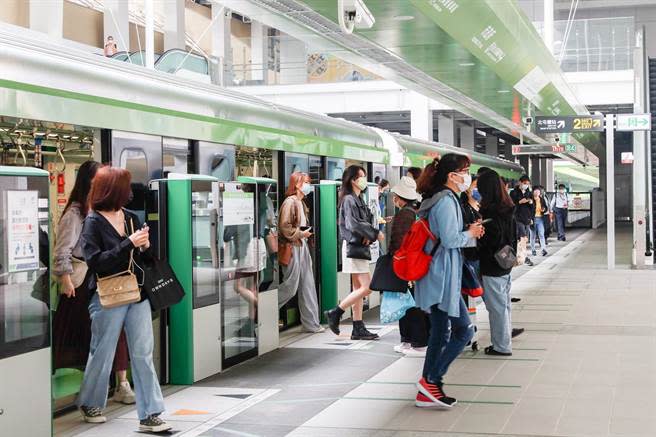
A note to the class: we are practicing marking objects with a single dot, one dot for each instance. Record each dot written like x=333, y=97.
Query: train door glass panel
x=267, y=223
x=205, y=253
x=378, y=171
x=175, y=156
x=335, y=168
x=216, y=160
x=239, y=271
x=295, y=162
x=314, y=170
x=24, y=261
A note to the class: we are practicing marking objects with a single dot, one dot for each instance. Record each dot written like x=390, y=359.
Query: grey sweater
x=66, y=243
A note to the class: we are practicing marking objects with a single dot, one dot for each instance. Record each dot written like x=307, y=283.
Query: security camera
x=557, y=139
x=354, y=14
x=528, y=121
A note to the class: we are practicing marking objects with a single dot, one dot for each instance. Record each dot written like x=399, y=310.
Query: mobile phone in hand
x=486, y=221
x=306, y=228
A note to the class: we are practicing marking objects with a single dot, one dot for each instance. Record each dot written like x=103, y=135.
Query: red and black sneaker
x=432, y=396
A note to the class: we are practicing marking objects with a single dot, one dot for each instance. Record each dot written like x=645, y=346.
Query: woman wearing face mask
x=413, y=326
x=540, y=208
x=357, y=232
x=470, y=201
x=438, y=293
x=297, y=275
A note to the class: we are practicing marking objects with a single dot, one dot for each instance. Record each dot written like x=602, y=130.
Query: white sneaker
x=401, y=348
x=318, y=330
x=418, y=352
x=124, y=394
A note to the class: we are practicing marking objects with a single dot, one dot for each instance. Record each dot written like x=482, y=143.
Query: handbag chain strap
x=130, y=269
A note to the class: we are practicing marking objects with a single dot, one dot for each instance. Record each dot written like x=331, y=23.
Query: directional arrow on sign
x=561, y=124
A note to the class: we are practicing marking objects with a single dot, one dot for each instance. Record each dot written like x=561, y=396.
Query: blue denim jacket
x=442, y=284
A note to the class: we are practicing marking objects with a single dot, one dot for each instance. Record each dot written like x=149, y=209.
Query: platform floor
x=584, y=367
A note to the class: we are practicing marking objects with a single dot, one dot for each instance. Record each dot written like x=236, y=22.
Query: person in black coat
x=522, y=197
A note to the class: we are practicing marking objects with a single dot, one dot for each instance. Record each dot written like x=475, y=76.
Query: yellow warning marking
x=189, y=412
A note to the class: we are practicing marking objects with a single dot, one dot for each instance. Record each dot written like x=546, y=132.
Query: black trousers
x=414, y=327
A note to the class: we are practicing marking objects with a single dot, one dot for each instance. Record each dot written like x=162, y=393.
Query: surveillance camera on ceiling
x=528, y=121
x=354, y=14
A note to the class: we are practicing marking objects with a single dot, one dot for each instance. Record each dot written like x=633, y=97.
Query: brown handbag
x=121, y=288
x=285, y=247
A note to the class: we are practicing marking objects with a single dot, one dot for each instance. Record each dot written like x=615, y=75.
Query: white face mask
x=361, y=182
x=466, y=183
x=524, y=187
x=561, y=191
x=306, y=188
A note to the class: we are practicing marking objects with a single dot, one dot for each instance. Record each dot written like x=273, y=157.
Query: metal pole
x=610, y=190
x=150, y=33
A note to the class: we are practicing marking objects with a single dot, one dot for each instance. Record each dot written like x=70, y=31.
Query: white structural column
x=149, y=28
x=116, y=23
x=467, y=136
x=548, y=30
x=221, y=47
x=47, y=17
x=174, y=24
x=548, y=174
x=446, y=129
x=639, y=158
x=610, y=190
x=491, y=145
x=259, y=52
x=293, y=60
x=421, y=117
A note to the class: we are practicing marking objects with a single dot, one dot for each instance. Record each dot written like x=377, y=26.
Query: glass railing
x=600, y=44
x=175, y=61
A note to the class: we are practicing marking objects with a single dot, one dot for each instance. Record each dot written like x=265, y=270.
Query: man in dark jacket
x=524, y=212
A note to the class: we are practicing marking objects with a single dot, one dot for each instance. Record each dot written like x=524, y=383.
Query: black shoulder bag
x=506, y=256
x=160, y=283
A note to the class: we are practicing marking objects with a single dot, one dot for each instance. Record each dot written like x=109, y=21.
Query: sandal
x=490, y=351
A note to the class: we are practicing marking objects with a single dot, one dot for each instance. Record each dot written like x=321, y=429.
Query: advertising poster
x=22, y=230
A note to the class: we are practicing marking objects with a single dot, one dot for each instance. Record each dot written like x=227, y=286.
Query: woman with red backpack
x=439, y=292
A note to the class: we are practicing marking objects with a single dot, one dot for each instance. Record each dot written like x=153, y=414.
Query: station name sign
x=569, y=124
x=533, y=149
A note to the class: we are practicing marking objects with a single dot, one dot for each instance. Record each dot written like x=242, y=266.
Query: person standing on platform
x=438, y=293
x=110, y=47
x=298, y=277
x=413, y=326
x=497, y=207
x=523, y=199
x=560, y=206
x=540, y=210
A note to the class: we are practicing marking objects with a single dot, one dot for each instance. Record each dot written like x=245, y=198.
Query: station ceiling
x=484, y=58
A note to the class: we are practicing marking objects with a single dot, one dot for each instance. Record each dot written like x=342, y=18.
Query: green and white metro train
x=77, y=105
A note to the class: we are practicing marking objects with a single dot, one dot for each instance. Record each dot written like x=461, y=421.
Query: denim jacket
x=442, y=284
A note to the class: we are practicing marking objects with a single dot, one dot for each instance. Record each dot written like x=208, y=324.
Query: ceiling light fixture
x=403, y=18
x=467, y=64
x=503, y=91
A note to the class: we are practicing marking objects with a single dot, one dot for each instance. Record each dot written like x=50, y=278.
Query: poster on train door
x=22, y=230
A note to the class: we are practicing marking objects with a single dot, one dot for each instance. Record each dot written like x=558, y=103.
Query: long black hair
x=351, y=173
x=82, y=186
x=494, y=196
x=434, y=180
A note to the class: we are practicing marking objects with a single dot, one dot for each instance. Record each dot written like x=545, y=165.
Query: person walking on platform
x=540, y=209
x=413, y=326
x=112, y=243
x=298, y=275
x=523, y=200
x=439, y=292
x=357, y=232
x=497, y=207
x=560, y=205
x=71, y=323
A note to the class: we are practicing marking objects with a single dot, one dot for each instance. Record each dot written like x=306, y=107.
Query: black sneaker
x=544, y=252
x=491, y=351
x=153, y=424
x=92, y=414
x=534, y=253
x=515, y=299
x=362, y=333
x=333, y=317
x=516, y=332
x=528, y=262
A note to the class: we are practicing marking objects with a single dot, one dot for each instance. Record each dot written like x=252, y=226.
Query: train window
x=335, y=168
x=295, y=162
x=315, y=169
x=135, y=161
x=175, y=155
x=378, y=171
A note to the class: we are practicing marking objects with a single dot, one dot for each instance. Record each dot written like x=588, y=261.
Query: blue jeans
x=106, y=326
x=497, y=301
x=448, y=337
x=538, y=228
x=561, y=218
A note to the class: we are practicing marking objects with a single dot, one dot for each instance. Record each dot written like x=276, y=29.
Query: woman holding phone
x=297, y=274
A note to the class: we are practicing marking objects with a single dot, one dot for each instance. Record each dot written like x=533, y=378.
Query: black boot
x=333, y=317
x=360, y=332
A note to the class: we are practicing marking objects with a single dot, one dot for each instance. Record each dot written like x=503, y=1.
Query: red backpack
x=410, y=262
